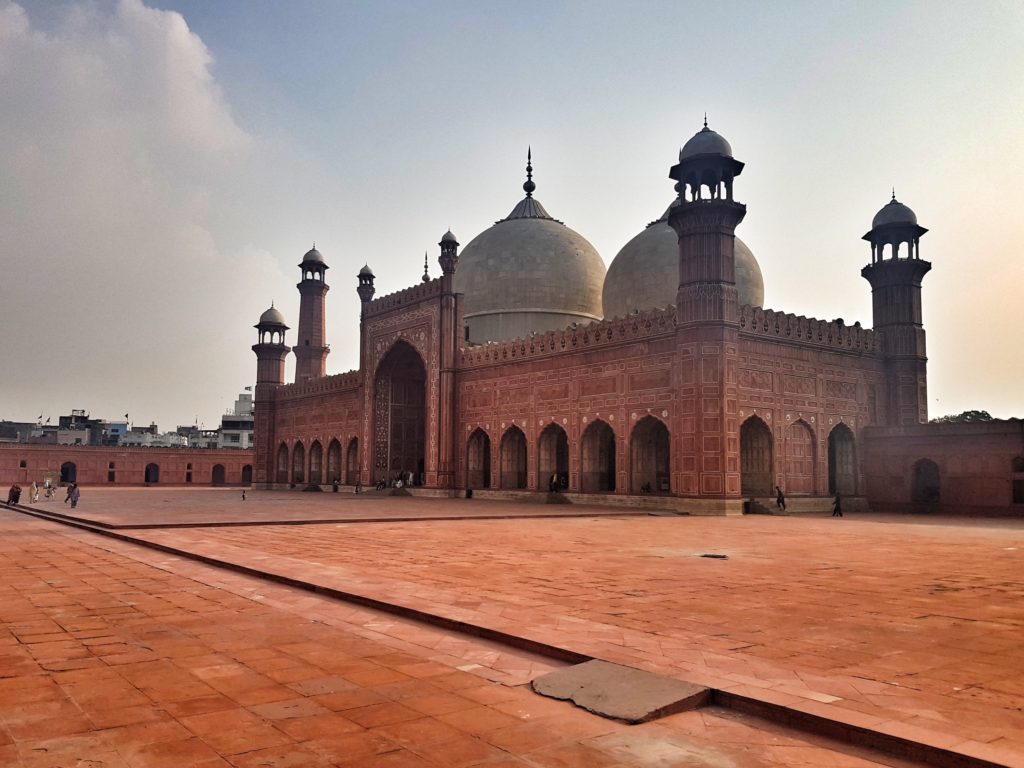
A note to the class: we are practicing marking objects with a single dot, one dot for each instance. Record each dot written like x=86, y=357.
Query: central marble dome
x=645, y=273
x=529, y=273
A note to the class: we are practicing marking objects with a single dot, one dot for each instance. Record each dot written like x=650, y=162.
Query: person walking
x=837, y=506
x=14, y=494
x=243, y=494
x=74, y=494
x=33, y=495
x=780, y=499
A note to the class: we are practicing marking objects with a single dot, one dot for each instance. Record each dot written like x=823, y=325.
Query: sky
x=165, y=165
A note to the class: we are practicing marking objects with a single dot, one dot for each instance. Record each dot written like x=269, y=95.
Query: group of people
x=14, y=494
x=837, y=502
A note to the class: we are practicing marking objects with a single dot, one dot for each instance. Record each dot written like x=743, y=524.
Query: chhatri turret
x=311, y=349
x=270, y=349
x=896, y=308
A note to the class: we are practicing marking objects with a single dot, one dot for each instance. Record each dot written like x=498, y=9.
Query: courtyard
x=188, y=626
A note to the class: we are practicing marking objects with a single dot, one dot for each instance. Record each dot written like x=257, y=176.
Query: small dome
x=365, y=271
x=894, y=212
x=448, y=237
x=645, y=273
x=705, y=142
x=272, y=317
x=313, y=256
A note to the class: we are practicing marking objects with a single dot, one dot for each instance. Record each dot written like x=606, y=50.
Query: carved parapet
x=404, y=298
x=339, y=382
x=642, y=325
x=767, y=323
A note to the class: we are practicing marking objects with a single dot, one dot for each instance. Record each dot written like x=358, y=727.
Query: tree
x=966, y=416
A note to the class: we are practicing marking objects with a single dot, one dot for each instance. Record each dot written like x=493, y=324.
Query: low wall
x=974, y=462
x=100, y=465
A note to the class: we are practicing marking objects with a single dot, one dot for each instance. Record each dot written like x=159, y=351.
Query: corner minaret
x=311, y=348
x=896, y=309
x=451, y=323
x=271, y=352
x=704, y=217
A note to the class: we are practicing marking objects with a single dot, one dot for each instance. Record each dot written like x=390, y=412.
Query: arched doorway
x=597, y=467
x=218, y=474
x=247, y=474
x=842, y=461
x=799, y=464
x=926, y=487
x=316, y=463
x=152, y=473
x=399, y=403
x=755, y=458
x=649, y=454
x=334, y=462
x=352, y=462
x=478, y=460
x=298, y=464
x=282, y=464
x=68, y=473
x=513, y=459
x=553, y=457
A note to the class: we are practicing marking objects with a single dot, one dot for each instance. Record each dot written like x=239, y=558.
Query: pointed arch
x=842, y=461
x=597, y=458
x=755, y=458
x=352, y=462
x=400, y=413
x=927, y=482
x=334, y=461
x=217, y=475
x=282, y=464
x=152, y=473
x=247, y=474
x=513, y=458
x=649, y=446
x=799, y=463
x=298, y=463
x=553, y=457
x=68, y=473
x=478, y=460
x=316, y=463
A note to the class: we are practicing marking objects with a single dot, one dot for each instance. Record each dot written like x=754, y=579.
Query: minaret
x=271, y=352
x=896, y=309
x=704, y=217
x=311, y=348
x=450, y=332
x=365, y=290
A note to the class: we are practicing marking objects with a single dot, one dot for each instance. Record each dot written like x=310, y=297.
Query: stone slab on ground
x=621, y=693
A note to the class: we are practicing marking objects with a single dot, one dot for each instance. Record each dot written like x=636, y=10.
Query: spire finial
x=894, y=194
x=314, y=245
x=705, y=121
x=426, y=275
x=529, y=186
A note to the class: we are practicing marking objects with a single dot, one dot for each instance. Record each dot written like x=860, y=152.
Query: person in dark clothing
x=837, y=506
x=14, y=495
x=780, y=499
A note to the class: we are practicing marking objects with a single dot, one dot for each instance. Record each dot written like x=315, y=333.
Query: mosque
x=662, y=382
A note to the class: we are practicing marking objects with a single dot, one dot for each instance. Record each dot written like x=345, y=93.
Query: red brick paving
x=129, y=657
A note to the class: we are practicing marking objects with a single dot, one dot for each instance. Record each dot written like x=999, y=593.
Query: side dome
x=894, y=212
x=645, y=273
x=528, y=273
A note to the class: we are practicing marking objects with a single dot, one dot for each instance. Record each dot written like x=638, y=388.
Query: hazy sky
x=164, y=167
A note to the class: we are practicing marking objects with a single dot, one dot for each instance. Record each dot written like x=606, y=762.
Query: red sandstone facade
x=695, y=407
x=95, y=465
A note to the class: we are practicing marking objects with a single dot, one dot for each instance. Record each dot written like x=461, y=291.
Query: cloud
x=119, y=149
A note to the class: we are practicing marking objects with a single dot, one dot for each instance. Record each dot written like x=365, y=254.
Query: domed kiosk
x=645, y=273
x=529, y=273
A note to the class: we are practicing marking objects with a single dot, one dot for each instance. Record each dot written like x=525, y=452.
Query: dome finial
x=426, y=274
x=529, y=186
x=705, y=121
x=894, y=194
